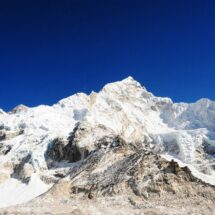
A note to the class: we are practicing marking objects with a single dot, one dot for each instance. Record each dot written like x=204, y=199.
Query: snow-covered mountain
x=39, y=146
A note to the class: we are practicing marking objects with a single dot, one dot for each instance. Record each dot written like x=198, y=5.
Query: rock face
x=124, y=178
x=121, y=151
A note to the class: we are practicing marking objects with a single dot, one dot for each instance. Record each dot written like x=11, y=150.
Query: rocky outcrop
x=5, y=135
x=139, y=171
x=80, y=143
x=23, y=169
x=61, y=149
x=118, y=173
x=4, y=149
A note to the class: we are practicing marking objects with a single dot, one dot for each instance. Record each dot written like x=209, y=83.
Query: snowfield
x=180, y=131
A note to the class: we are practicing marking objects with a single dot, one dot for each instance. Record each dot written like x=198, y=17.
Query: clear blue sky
x=53, y=49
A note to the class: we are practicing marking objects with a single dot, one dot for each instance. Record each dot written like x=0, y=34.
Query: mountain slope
x=118, y=142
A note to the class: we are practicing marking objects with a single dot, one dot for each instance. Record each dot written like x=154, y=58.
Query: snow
x=14, y=192
x=125, y=108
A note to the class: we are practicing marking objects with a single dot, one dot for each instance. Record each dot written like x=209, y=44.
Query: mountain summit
x=122, y=147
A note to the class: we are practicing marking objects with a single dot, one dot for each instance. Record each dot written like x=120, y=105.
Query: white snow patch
x=14, y=192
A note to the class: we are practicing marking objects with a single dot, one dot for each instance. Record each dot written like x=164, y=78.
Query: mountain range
x=122, y=150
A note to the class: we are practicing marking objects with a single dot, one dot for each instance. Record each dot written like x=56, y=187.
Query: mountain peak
x=130, y=80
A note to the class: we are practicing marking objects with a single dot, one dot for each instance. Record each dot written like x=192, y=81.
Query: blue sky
x=53, y=49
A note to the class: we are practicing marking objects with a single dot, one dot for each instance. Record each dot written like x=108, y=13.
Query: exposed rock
x=61, y=149
x=5, y=135
x=208, y=148
x=18, y=109
x=2, y=135
x=23, y=170
x=140, y=180
x=4, y=149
